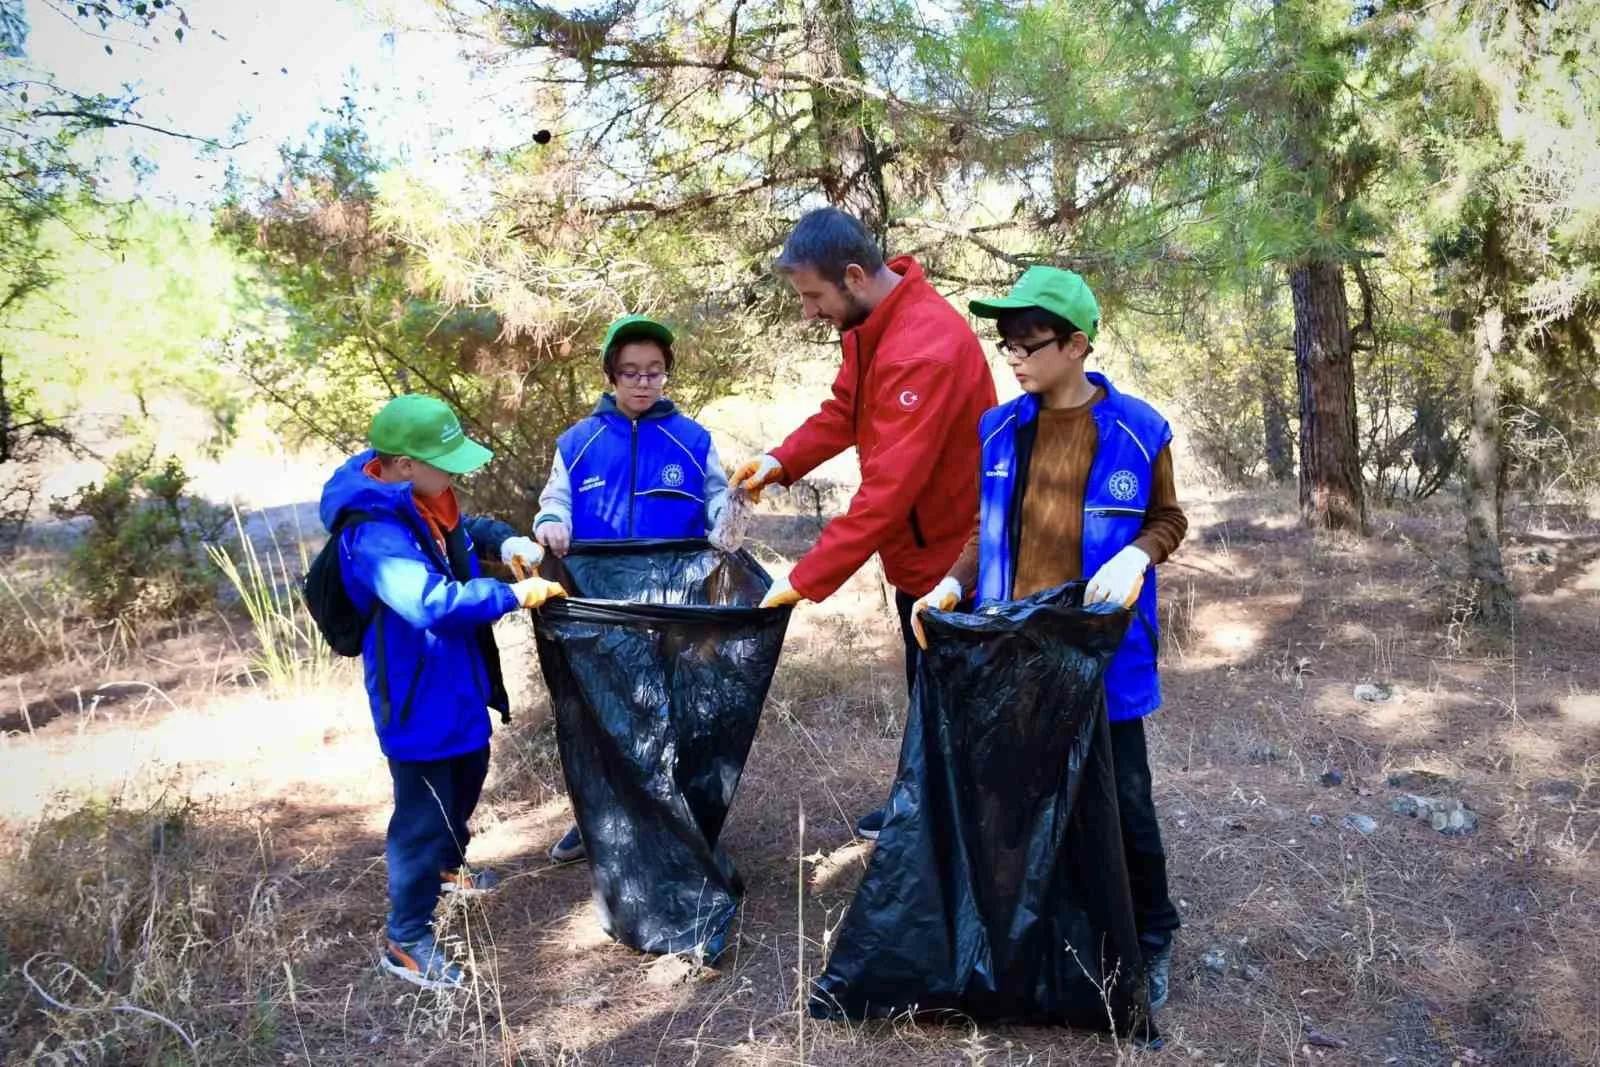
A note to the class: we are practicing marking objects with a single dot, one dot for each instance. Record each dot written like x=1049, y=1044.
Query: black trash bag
x=998, y=887
x=658, y=664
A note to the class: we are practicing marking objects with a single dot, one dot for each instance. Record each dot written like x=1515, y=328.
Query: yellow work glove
x=1119, y=579
x=942, y=597
x=532, y=593
x=756, y=474
x=781, y=595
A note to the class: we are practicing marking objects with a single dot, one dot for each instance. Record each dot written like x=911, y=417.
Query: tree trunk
x=845, y=139
x=1331, y=494
x=1276, y=445
x=1433, y=451
x=1495, y=604
x=5, y=414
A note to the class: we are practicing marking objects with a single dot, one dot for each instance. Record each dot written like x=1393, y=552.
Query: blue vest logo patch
x=672, y=475
x=1124, y=485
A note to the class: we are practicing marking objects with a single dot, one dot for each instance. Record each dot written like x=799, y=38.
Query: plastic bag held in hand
x=733, y=525
x=658, y=668
x=523, y=551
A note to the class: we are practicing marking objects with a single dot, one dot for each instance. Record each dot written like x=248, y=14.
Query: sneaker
x=870, y=825
x=570, y=848
x=421, y=962
x=466, y=882
x=1158, y=972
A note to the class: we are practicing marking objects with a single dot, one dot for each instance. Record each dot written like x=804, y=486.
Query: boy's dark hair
x=609, y=359
x=1015, y=325
x=827, y=241
x=386, y=459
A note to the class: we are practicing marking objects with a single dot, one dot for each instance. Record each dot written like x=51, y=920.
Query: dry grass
x=228, y=875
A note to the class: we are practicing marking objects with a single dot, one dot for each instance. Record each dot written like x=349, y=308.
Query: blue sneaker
x=1158, y=972
x=466, y=881
x=870, y=825
x=422, y=962
x=570, y=848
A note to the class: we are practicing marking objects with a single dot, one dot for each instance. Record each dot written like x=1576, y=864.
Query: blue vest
x=636, y=478
x=1130, y=435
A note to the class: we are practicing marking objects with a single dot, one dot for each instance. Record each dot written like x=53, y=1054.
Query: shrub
x=142, y=557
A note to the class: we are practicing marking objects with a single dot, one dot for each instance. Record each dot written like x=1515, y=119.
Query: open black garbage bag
x=658, y=664
x=998, y=887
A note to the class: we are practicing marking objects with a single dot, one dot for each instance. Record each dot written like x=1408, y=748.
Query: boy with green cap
x=635, y=467
x=409, y=562
x=1075, y=481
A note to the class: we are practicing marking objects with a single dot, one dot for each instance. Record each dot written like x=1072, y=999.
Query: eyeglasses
x=1017, y=350
x=647, y=377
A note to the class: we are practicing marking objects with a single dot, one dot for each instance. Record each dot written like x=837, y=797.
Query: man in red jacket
x=908, y=397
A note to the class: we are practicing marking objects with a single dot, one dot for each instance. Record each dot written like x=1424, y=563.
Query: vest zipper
x=1116, y=511
x=633, y=471
x=1022, y=438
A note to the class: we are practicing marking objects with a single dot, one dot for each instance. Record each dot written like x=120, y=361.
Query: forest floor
x=186, y=852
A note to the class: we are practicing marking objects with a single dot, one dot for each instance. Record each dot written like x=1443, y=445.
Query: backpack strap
x=346, y=520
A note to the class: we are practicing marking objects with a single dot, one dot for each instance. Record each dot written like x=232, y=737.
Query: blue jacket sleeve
x=387, y=564
x=487, y=534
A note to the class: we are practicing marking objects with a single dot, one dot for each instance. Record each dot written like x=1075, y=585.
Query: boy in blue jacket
x=409, y=561
x=635, y=467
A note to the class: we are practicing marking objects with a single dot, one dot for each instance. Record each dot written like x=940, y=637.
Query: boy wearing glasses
x=1076, y=480
x=635, y=467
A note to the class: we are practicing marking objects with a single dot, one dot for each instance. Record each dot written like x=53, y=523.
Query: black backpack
x=342, y=626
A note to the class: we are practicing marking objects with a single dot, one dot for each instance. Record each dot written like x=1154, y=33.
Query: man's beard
x=855, y=312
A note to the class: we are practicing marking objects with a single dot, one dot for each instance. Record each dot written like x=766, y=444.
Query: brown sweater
x=1051, y=543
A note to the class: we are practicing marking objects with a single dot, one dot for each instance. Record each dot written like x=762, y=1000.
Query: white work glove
x=556, y=536
x=1119, y=580
x=942, y=597
x=755, y=475
x=523, y=552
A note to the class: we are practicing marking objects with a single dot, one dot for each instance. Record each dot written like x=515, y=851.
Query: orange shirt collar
x=443, y=512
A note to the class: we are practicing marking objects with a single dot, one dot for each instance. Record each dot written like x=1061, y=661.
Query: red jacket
x=908, y=397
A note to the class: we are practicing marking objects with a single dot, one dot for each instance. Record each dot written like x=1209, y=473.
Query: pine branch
x=101, y=121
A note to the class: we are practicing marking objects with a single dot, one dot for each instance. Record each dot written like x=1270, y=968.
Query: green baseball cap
x=1058, y=291
x=425, y=428
x=632, y=326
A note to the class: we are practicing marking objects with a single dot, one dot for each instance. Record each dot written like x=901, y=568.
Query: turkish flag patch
x=909, y=399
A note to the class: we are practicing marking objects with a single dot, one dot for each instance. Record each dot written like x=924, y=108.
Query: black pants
x=1141, y=834
x=902, y=607
x=428, y=834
